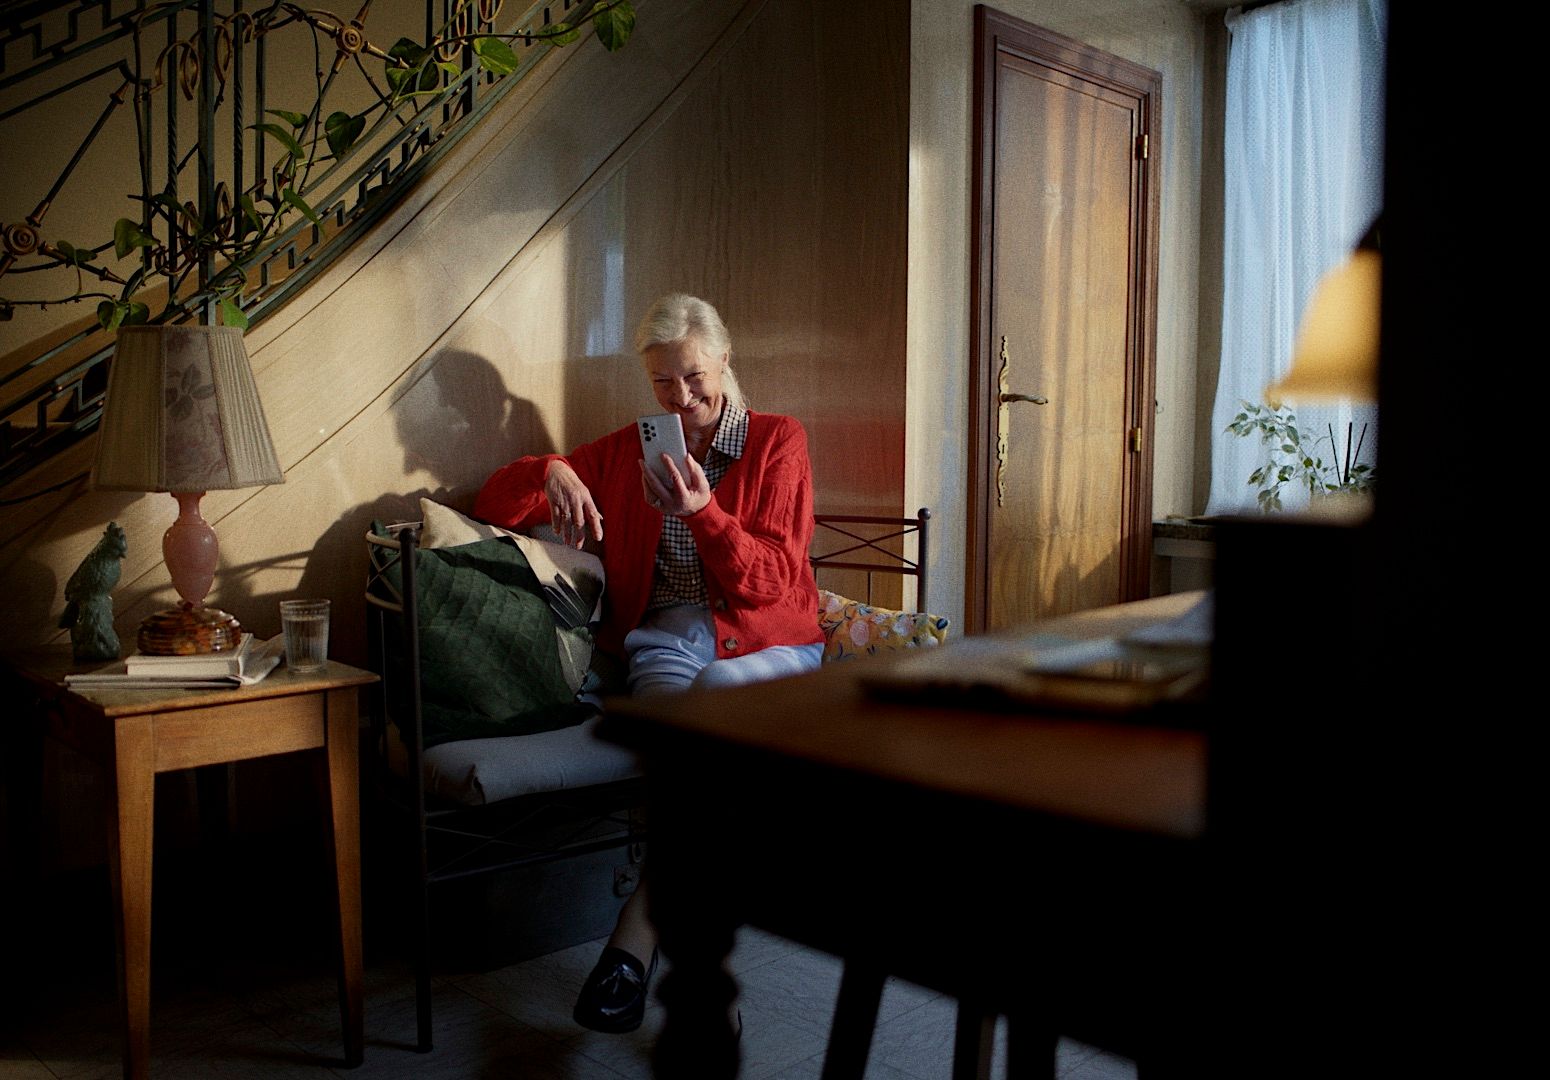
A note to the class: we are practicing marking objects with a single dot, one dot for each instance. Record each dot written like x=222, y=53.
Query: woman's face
x=686, y=381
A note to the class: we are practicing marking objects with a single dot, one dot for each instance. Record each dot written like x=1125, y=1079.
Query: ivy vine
x=410, y=70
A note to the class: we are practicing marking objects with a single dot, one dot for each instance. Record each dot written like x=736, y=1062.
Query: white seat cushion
x=477, y=772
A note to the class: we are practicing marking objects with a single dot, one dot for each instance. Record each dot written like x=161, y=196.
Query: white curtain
x=1303, y=163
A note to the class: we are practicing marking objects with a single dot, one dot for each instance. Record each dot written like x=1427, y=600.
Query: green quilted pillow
x=489, y=665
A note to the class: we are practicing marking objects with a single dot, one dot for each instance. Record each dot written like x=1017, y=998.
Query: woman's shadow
x=457, y=422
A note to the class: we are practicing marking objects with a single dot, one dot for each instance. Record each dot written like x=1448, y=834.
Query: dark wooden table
x=1045, y=867
x=138, y=734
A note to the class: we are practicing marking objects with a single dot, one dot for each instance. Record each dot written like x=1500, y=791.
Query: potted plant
x=1300, y=461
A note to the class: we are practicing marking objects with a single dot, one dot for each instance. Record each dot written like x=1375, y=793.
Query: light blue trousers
x=674, y=648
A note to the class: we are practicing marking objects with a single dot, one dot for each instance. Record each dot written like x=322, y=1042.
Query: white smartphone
x=662, y=434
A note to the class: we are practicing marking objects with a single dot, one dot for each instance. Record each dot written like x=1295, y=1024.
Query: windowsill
x=1183, y=555
x=1175, y=528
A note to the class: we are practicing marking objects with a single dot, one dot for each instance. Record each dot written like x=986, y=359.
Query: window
x=1303, y=183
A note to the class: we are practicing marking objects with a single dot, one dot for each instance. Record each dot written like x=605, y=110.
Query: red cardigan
x=753, y=536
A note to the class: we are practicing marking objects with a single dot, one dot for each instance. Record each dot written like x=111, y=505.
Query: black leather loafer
x=613, y=999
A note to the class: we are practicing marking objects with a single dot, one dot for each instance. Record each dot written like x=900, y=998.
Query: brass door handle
x=1004, y=419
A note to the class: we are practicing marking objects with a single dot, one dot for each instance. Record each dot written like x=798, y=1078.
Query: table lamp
x=1336, y=355
x=182, y=415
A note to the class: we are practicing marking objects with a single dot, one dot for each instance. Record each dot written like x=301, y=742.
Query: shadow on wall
x=455, y=425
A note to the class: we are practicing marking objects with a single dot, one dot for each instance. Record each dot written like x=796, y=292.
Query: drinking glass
x=305, y=623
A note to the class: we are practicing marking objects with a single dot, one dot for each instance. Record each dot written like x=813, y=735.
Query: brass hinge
x=1143, y=146
x=1135, y=440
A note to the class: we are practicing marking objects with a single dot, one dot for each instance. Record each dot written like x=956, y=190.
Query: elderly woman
x=708, y=579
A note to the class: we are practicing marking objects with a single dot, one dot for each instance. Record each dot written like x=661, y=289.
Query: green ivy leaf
x=290, y=196
x=231, y=314
x=495, y=56
x=127, y=236
x=403, y=82
x=135, y=313
x=286, y=139
x=109, y=314
x=614, y=25
x=1288, y=448
x=341, y=129
x=563, y=34
x=132, y=284
x=250, y=211
x=295, y=119
x=409, y=51
x=451, y=69
x=77, y=256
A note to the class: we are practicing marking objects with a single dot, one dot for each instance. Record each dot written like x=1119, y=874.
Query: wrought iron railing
x=230, y=223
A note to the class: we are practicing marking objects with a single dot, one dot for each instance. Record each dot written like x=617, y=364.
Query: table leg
x=690, y=901
x=131, y=815
x=973, y=1042
x=344, y=834
x=855, y=1018
x=1031, y=1048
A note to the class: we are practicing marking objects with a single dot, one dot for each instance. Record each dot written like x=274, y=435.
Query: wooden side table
x=136, y=734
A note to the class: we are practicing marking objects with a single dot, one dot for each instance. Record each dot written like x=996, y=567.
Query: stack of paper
x=245, y=665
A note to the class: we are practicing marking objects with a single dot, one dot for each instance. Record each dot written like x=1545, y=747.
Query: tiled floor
x=277, y=1016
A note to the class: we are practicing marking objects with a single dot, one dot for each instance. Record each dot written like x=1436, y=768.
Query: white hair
x=678, y=316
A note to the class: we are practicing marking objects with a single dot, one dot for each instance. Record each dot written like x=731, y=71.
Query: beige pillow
x=444, y=527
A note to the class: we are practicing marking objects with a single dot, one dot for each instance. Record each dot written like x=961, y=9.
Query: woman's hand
x=574, y=514
x=690, y=491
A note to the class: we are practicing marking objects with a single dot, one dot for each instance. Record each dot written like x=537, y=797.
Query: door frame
x=995, y=34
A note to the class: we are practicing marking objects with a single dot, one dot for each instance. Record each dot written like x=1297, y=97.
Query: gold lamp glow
x=1337, y=345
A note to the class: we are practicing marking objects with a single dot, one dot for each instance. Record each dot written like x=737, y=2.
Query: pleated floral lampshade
x=183, y=416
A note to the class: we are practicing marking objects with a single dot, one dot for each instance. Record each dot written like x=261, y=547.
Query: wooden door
x=1064, y=296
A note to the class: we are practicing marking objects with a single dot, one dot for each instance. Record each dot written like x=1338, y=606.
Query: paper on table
x=1189, y=629
x=1090, y=675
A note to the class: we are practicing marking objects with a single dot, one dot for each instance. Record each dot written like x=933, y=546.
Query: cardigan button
x=730, y=643
x=720, y=605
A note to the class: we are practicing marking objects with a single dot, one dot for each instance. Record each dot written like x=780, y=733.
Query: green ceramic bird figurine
x=89, y=603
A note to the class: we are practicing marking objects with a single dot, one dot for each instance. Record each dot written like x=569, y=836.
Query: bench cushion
x=476, y=772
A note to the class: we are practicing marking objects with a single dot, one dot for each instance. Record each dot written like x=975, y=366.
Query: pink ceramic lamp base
x=192, y=552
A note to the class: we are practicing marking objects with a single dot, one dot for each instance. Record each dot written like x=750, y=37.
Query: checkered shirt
x=679, y=578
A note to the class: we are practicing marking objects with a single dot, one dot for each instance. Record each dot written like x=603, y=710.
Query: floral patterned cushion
x=853, y=629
